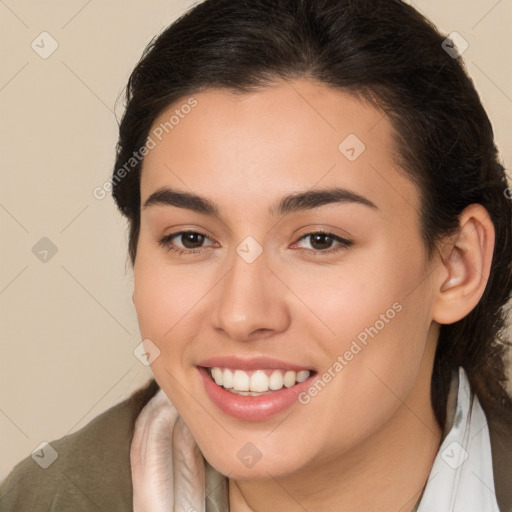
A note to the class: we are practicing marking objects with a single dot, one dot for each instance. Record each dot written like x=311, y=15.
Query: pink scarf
x=168, y=469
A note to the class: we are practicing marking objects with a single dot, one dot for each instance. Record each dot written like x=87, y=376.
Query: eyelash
x=344, y=244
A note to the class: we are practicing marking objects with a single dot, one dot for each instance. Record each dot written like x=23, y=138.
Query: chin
x=250, y=464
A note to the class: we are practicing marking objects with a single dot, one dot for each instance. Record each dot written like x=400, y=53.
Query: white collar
x=461, y=478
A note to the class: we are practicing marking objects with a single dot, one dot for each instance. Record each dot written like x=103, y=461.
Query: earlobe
x=465, y=266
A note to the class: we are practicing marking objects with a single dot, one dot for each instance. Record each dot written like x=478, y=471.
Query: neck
x=386, y=472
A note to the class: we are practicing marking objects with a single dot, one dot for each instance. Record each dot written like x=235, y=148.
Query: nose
x=250, y=302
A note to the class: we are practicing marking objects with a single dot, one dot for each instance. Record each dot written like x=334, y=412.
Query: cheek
x=380, y=314
x=360, y=293
x=373, y=315
x=167, y=301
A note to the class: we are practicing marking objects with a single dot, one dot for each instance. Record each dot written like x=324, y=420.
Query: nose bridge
x=249, y=300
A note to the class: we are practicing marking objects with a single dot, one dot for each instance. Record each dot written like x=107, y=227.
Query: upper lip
x=253, y=363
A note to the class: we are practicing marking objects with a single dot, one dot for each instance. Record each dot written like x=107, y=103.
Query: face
x=300, y=284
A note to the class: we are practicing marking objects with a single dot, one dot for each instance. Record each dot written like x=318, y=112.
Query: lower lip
x=252, y=408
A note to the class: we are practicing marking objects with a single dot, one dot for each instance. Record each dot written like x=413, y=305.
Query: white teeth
x=276, y=380
x=258, y=381
x=302, y=375
x=240, y=381
x=217, y=375
x=289, y=379
x=227, y=378
x=245, y=393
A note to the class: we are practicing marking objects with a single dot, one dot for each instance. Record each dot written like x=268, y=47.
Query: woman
x=320, y=231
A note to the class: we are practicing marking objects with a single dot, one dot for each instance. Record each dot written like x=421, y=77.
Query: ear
x=464, y=267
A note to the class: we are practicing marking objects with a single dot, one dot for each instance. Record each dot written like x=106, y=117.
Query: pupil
x=319, y=238
x=192, y=238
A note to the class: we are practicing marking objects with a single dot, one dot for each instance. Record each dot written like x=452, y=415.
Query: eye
x=191, y=242
x=321, y=243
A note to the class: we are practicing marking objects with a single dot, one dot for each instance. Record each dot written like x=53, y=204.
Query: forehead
x=290, y=136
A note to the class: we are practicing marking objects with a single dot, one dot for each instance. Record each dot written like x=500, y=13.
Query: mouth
x=253, y=391
x=256, y=382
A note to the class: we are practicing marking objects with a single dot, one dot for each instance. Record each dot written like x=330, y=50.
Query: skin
x=368, y=439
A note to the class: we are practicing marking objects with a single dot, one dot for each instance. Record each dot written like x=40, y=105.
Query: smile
x=255, y=389
x=256, y=382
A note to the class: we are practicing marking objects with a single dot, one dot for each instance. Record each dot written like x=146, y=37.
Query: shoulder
x=92, y=468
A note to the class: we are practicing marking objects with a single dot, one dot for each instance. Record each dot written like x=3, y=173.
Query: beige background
x=68, y=326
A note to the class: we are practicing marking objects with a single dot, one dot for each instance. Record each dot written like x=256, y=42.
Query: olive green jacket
x=92, y=470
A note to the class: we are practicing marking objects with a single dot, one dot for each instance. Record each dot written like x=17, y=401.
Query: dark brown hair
x=389, y=54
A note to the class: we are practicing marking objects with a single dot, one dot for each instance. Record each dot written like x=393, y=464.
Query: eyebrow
x=299, y=201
